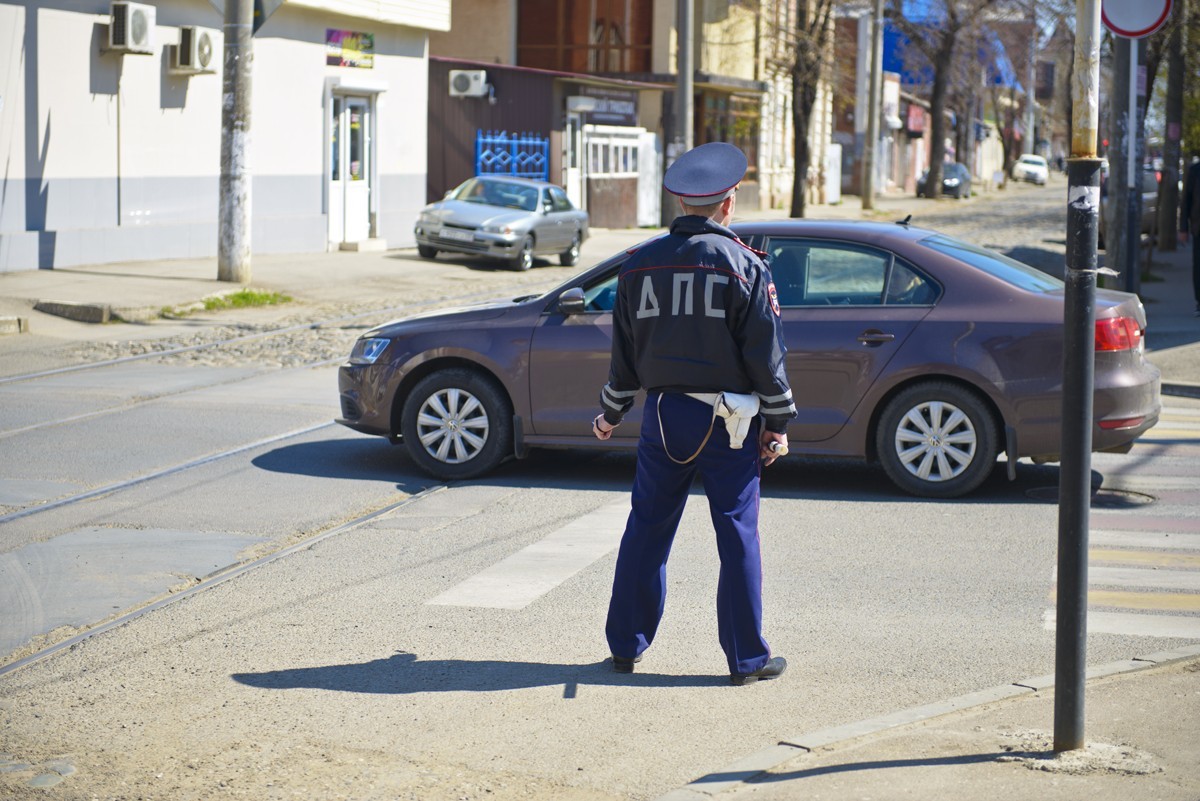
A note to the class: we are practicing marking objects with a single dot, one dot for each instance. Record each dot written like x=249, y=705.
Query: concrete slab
x=85, y=576
x=19, y=492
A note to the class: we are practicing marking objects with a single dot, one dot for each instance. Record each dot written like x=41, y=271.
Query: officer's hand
x=1183, y=237
x=601, y=428
x=771, y=446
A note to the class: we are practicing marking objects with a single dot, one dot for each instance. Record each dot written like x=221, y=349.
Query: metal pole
x=1119, y=245
x=1133, y=211
x=683, y=94
x=233, y=249
x=1031, y=90
x=871, y=143
x=1079, y=322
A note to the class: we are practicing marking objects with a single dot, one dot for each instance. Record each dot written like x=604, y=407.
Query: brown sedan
x=907, y=347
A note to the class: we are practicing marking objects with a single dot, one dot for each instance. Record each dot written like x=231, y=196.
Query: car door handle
x=873, y=336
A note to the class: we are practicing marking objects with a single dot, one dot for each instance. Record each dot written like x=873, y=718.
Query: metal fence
x=501, y=153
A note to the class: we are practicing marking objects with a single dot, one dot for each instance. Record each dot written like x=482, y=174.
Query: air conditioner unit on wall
x=468, y=83
x=131, y=29
x=197, y=50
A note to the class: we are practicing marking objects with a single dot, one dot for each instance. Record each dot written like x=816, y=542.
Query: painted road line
x=1174, y=432
x=1146, y=539
x=1144, y=558
x=1141, y=578
x=519, y=580
x=1134, y=625
x=1148, y=601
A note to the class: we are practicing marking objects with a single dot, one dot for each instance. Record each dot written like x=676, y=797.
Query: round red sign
x=1134, y=19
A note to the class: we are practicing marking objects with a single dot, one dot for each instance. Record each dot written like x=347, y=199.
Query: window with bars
x=730, y=118
x=585, y=36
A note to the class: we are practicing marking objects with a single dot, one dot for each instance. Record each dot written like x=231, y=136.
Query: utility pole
x=684, y=91
x=1031, y=88
x=233, y=248
x=871, y=142
x=1079, y=352
x=682, y=138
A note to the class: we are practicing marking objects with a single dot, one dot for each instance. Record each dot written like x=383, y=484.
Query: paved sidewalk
x=1143, y=724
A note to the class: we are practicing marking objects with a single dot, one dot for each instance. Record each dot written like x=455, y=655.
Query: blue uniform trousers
x=660, y=490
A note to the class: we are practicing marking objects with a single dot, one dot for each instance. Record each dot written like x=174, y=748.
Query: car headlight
x=366, y=351
x=497, y=229
x=427, y=218
x=951, y=182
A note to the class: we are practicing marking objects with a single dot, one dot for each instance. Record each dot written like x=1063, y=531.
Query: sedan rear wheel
x=570, y=256
x=457, y=424
x=524, y=259
x=937, y=440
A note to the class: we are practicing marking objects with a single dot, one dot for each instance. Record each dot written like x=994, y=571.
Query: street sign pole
x=1079, y=353
x=1079, y=315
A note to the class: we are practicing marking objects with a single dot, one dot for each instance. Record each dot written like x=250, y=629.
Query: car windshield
x=497, y=193
x=1002, y=267
x=1034, y=160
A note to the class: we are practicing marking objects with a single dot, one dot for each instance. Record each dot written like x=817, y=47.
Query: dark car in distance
x=506, y=218
x=956, y=181
x=907, y=347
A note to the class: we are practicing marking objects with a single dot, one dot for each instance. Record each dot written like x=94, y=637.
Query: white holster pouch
x=736, y=410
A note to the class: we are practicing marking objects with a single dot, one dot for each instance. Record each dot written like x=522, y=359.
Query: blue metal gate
x=500, y=153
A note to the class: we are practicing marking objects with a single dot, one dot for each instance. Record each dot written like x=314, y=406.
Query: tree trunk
x=937, y=128
x=1168, y=190
x=804, y=98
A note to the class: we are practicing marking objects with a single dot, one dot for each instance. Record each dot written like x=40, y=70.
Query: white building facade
x=114, y=154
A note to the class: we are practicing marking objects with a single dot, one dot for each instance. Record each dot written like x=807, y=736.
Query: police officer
x=696, y=324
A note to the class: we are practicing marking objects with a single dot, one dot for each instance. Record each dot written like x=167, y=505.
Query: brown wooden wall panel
x=524, y=104
x=612, y=202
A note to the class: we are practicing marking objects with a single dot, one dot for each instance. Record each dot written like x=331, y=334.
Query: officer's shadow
x=403, y=673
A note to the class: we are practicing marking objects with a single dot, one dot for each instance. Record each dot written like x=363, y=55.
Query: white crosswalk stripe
x=1144, y=568
x=519, y=580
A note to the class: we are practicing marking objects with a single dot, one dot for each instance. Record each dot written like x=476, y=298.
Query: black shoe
x=774, y=667
x=623, y=664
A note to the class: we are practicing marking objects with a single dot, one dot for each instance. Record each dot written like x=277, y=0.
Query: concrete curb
x=14, y=325
x=97, y=312
x=1181, y=389
x=744, y=770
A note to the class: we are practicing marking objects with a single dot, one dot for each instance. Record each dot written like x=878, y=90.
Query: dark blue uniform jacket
x=696, y=312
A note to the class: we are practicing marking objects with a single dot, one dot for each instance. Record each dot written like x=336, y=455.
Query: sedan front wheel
x=937, y=440
x=457, y=424
x=524, y=257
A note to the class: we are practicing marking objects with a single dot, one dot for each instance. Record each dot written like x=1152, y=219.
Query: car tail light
x=1121, y=422
x=1118, y=333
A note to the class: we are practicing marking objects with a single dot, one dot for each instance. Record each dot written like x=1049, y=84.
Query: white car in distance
x=1031, y=168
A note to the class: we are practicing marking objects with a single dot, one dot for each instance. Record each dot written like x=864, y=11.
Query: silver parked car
x=502, y=217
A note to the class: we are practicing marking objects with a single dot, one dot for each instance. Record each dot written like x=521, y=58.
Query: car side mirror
x=572, y=301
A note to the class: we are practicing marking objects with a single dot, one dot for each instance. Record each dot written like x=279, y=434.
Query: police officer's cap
x=706, y=174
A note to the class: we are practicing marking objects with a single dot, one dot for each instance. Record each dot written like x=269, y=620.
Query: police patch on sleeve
x=774, y=296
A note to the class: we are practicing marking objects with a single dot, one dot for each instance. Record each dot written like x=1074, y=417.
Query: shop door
x=573, y=161
x=350, y=169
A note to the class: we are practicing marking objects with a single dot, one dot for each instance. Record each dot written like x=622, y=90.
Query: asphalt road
x=446, y=642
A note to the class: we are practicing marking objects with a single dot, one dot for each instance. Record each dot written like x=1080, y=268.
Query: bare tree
x=936, y=38
x=812, y=35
